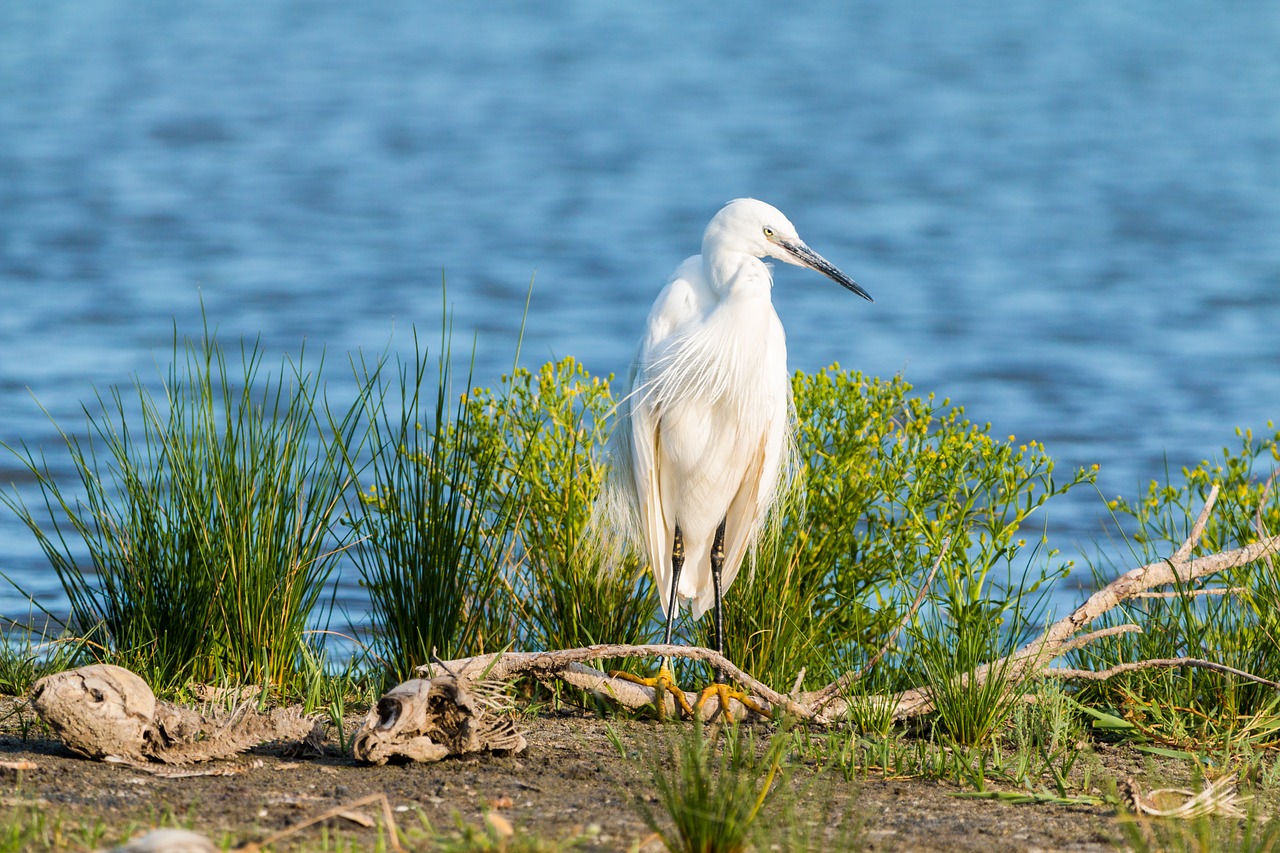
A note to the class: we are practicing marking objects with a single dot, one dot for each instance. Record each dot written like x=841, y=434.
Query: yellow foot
x=723, y=694
x=661, y=682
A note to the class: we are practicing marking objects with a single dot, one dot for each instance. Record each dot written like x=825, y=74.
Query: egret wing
x=681, y=302
x=769, y=470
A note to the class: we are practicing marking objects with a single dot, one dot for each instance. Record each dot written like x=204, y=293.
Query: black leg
x=717, y=566
x=663, y=683
x=720, y=688
x=677, y=565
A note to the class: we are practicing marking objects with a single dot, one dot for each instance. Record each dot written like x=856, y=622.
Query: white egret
x=700, y=452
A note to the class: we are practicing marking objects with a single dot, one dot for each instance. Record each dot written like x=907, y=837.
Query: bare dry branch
x=1197, y=529
x=1048, y=645
x=1192, y=593
x=502, y=666
x=1155, y=663
x=795, y=688
x=1085, y=639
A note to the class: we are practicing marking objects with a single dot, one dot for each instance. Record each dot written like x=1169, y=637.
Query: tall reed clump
x=1231, y=618
x=500, y=487
x=426, y=515
x=197, y=543
x=565, y=592
x=889, y=480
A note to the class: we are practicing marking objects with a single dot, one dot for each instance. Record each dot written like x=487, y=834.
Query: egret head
x=761, y=230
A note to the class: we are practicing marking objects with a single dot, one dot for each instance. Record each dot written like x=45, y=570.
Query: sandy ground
x=570, y=782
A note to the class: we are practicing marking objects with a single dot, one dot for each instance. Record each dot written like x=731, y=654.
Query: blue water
x=1069, y=215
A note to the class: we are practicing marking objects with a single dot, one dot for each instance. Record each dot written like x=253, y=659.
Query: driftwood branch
x=1155, y=663
x=570, y=662
x=1192, y=593
x=829, y=704
x=1085, y=639
x=1197, y=529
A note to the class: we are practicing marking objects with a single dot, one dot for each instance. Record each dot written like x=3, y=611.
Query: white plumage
x=704, y=432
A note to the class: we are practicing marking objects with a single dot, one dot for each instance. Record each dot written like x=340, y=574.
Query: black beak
x=811, y=259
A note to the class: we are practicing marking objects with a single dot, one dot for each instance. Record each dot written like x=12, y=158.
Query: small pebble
x=168, y=841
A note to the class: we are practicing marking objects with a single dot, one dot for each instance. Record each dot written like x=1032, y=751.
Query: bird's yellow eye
x=768, y=233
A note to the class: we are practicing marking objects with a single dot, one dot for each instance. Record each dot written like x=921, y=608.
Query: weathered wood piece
x=427, y=719
x=106, y=712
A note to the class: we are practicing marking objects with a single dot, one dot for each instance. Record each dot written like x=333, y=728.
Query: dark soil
x=570, y=782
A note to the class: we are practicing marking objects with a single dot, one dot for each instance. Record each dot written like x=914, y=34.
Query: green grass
x=31, y=828
x=711, y=785
x=198, y=538
x=1040, y=754
x=948, y=647
x=1203, y=835
x=40, y=828
x=28, y=654
x=35, y=828
x=421, y=516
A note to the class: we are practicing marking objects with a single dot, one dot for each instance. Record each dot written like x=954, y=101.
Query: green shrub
x=549, y=431
x=889, y=478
